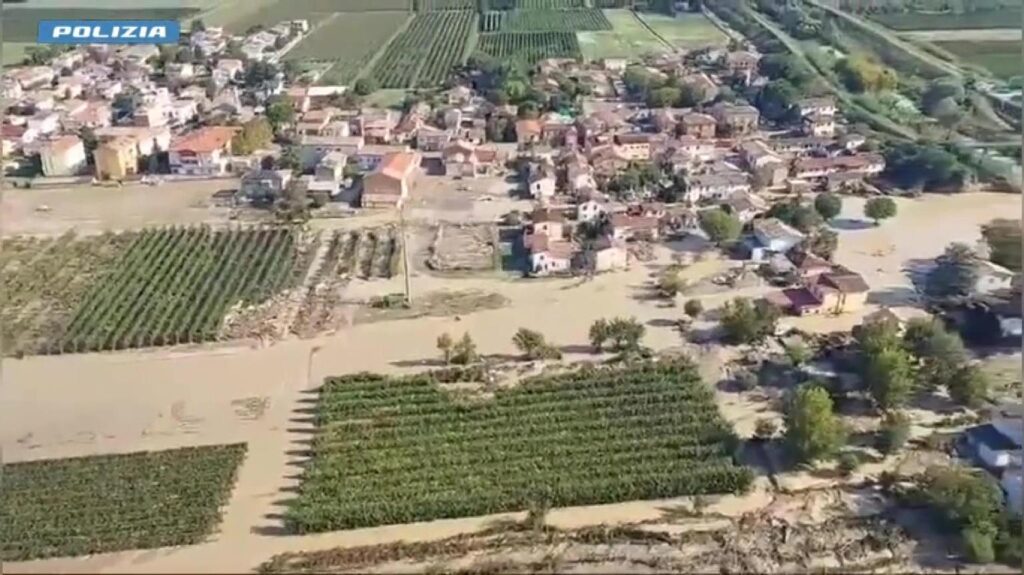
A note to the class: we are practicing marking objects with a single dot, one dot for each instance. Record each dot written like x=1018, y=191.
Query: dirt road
x=99, y=403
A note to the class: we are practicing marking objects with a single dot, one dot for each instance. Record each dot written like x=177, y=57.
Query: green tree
x=280, y=113
x=464, y=351
x=625, y=333
x=744, y=322
x=795, y=213
x=941, y=353
x=879, y=209
x=669, y=283
x=599, y=334
x=894, y=432
x=813, y=432
x=968, y=386
x=256, y=134
x=777, y=101
x=822, y=242
x=828, y=205
x=693, y=308
x=663, y=97
x=533, y=345
x=1004, y=242
x=798, y=353
x=954, y=274
x=365, y=86
x=720, y=226
x=928, y=166
x=197, y=25
x=970, y=501
x=445, y=345
x=889, y=376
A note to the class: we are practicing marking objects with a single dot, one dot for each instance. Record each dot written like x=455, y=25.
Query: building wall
x=550, y=229
x=382, y=191
x=68, y=162
x=115, y=163
x=993, y=458
x=203, y=164
x=610, y=259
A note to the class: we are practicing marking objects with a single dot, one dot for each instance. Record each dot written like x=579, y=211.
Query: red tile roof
x=398, y=165
x=204, y=140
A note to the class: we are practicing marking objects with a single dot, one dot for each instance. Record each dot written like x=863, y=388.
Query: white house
x=64, y=156
x=590, y=210
x=542, y=184
x=205, y=151
x=548, y=256
x=775, y=236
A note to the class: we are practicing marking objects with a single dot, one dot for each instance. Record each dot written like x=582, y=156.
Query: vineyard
x=545, y=21
x=349, y=41
x=432, y=5
x=530, y=47
x=426, y=51
x=175, y=285
x=104, y=503
x=365, y=254
x=399, y=450
x=45, y=280
x=535, y=4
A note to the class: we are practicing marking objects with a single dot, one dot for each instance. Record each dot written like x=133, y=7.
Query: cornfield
x=399, y=450
x=104, y=503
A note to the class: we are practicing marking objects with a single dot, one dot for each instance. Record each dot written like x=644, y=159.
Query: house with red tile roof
x=206, y=151
x=392, y=181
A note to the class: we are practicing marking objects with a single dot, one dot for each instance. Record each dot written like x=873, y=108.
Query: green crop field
x=686, y=31
x=154, y=287
x=399, y=450
x=529, y=47
x=1001, y=58
x=104, y=503
x=426, y=51
x=545, y=21
x=349, y=40
x=430, y=5
x=1008, y=17
x=628, y=38
x=535, y=4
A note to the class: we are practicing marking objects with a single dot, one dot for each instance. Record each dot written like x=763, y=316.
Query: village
x=654, y=190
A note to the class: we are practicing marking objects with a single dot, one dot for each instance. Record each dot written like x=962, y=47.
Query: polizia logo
x=108, y=32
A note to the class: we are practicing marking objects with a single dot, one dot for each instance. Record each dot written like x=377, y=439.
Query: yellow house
x=116, y=159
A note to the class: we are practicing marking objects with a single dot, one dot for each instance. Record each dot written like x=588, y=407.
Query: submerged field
x=1001, y=58
x=136, y=289
x=400, y=450
x=104, y=503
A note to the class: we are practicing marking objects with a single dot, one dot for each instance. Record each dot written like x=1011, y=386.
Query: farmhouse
x=202, y=152
x=390, y=184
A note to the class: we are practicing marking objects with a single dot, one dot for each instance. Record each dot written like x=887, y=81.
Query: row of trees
x=926, y=357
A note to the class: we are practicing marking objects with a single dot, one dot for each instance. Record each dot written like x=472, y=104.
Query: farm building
x=391, y=182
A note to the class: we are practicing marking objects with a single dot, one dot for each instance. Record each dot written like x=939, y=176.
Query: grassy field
x=391, y=451
x=545, y=21
x=1001, y=58
x=350, y=40
x=1008, y=17
x=14, y=52
x=627, y=39
x=104, y=503
x=686, y=31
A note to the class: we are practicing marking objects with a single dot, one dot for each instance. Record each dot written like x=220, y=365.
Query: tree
x=257, y=73
x=848, y=463
x=197, y=25
x=533, y=345
x=464, y=351
x=289, y=160
x=969, y=501
x=822, y=242
x=894, y=432
x=445, y=345
x=293, y=204
x=795, y=213
x=941, y=353
x=625, y=333
x=765, y=429
x=828, y=205
x=776, y=101
x=599, y=334
x=880, y=209
x=954, y=274
x=949, y=114
x=670, y=284
x=720, y=226
x=798, y=353
x=256, y=134
x=968, y=386
x=813, y=432
x=889, y=376
x=927, y=166
x=280, y=113
x=1004, y=242
x=939, y=90
x=744, y=322
x=693, y=308
x=365, y=86
x=663, y=97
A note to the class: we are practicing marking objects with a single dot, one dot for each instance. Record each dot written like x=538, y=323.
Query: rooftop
x=204, y=139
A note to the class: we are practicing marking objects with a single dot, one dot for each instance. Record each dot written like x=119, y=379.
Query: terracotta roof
x=12, y=131
x=398, y=165
x=634, y=222
x=204, y=139
x=538, y=243
x=528, y=127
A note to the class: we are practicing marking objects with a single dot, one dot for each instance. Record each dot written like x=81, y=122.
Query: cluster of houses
x=49, y=108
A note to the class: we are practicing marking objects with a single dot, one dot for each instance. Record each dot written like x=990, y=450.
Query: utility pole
x=405, y=254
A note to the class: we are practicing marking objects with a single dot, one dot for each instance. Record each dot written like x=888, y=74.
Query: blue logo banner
x=109, y=32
